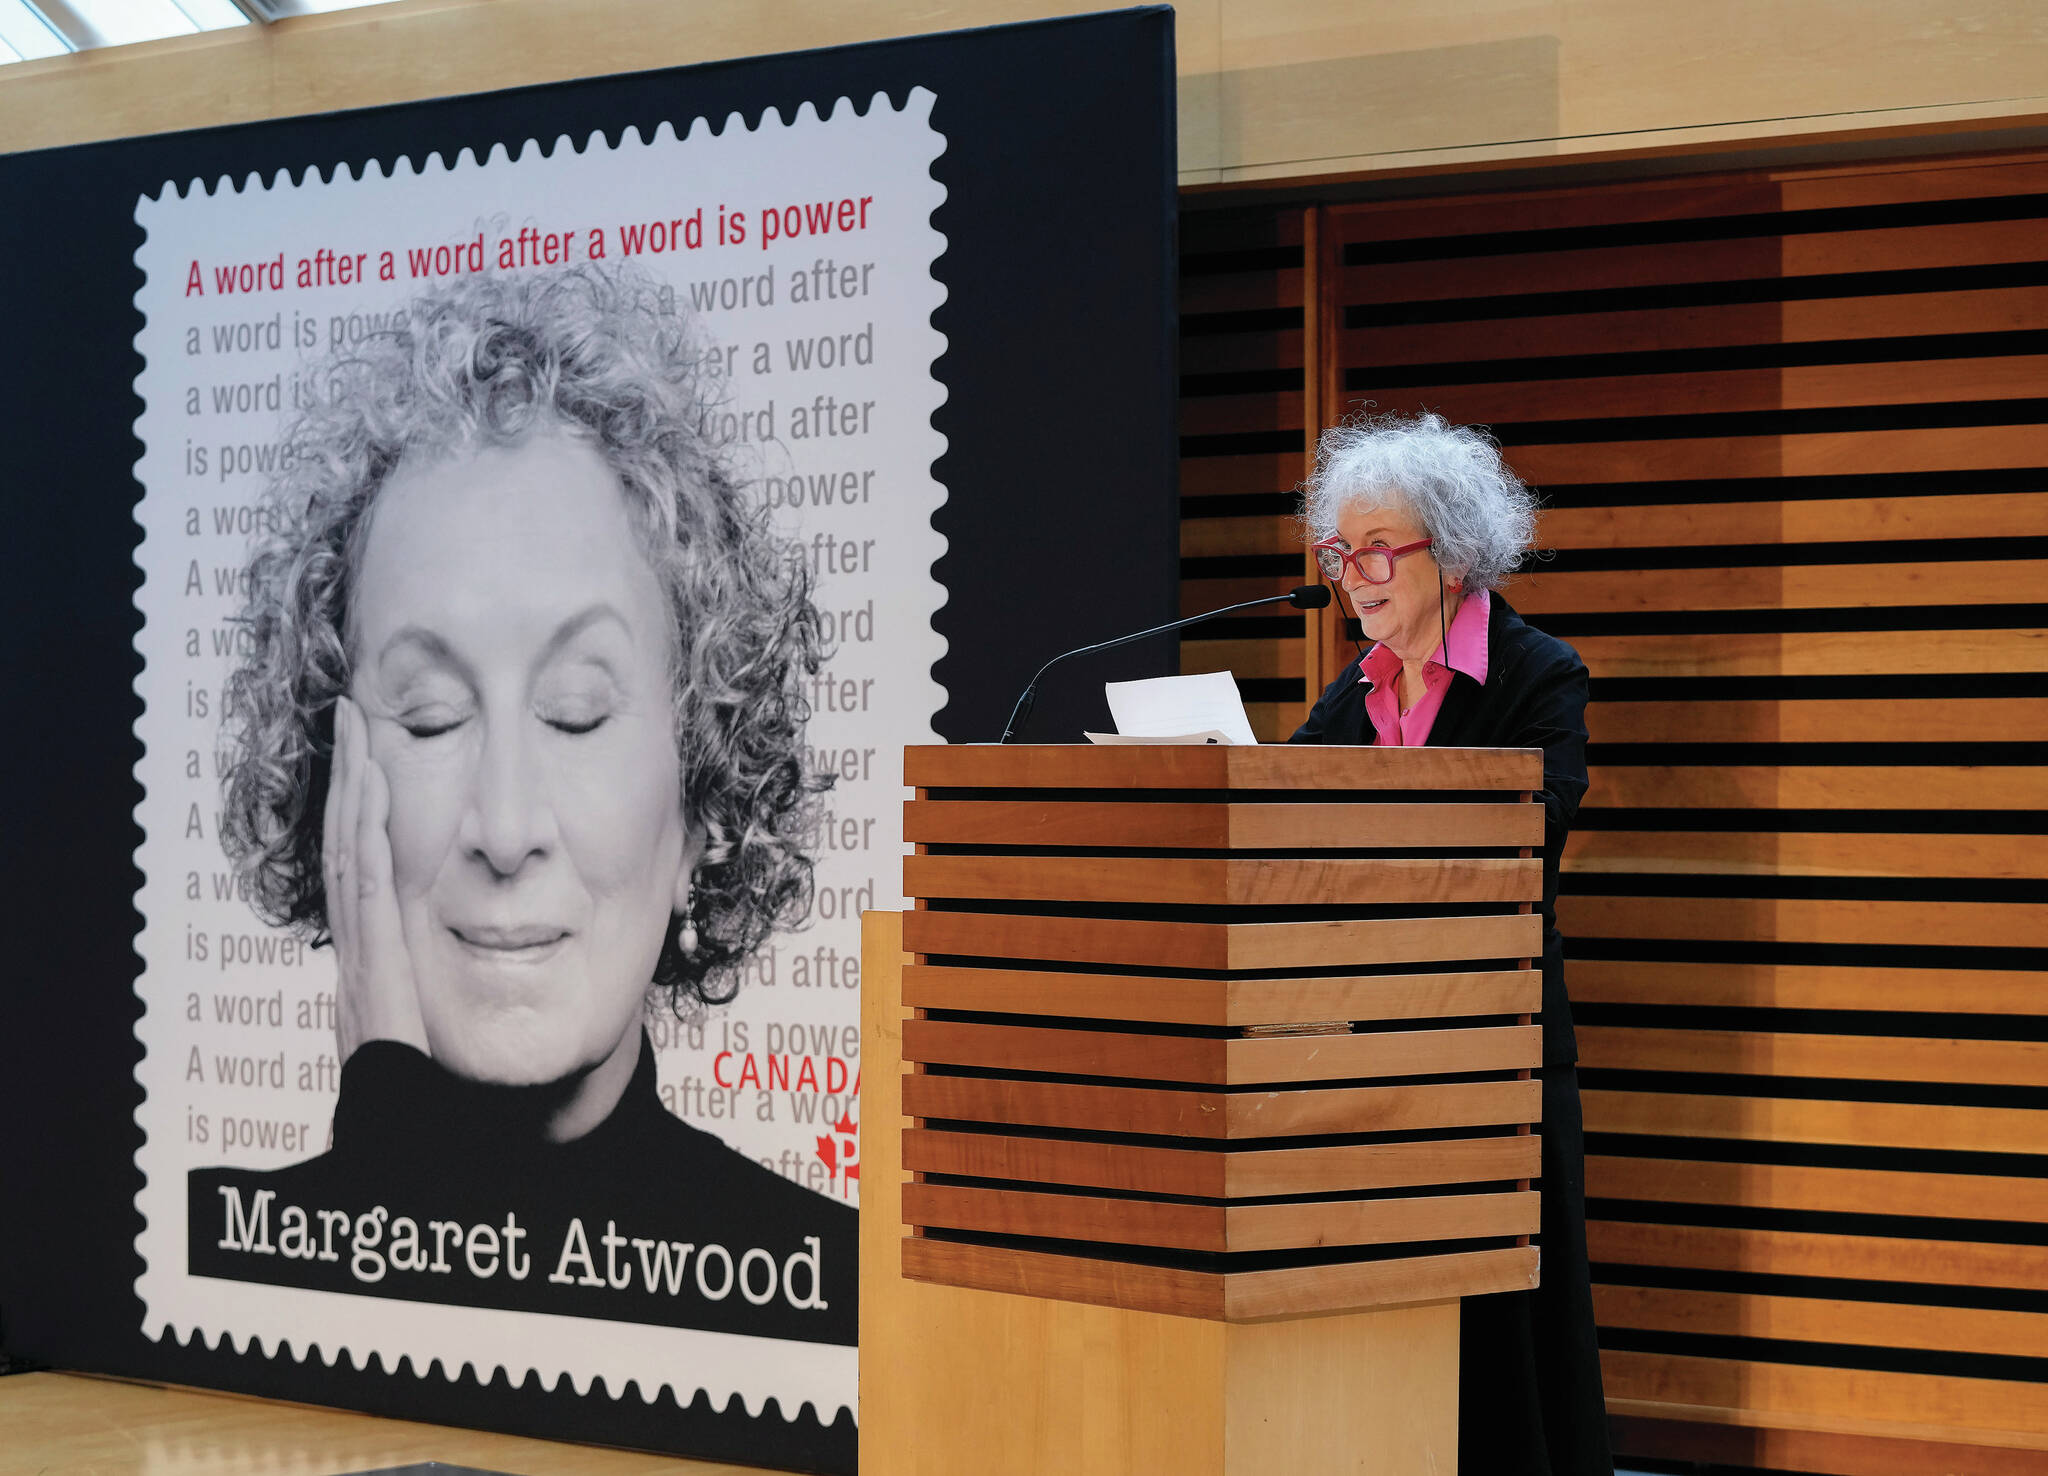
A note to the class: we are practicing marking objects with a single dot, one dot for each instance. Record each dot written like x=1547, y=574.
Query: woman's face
x=510, y=646
x=1403, y=613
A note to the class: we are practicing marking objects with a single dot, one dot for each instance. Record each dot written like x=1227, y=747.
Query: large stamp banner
x=509, y=1179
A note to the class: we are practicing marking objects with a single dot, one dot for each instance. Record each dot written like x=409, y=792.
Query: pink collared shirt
x=1464, y=649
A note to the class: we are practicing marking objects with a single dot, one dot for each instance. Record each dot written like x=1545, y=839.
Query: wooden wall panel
x=1248, y=289
x=1269, y=89
x=1788, y=432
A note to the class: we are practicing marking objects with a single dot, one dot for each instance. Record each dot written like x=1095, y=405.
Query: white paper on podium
x=1177, y=706
x=1208, y=737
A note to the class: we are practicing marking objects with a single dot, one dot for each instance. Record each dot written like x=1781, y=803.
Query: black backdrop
x=1061, y=520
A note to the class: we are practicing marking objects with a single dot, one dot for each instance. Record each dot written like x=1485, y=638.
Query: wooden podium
x=1219, y=1100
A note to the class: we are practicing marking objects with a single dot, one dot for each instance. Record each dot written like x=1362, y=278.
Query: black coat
x=1534, y=697
x=1528, y=1362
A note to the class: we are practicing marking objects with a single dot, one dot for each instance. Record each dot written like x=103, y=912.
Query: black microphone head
x=1309, y=596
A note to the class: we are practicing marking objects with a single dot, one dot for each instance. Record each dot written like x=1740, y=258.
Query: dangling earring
x=686, y=930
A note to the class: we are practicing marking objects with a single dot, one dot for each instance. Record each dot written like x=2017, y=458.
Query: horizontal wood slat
x=1788, y=587
x=1220, y=1115
x=1808, y=987
x=1232, y=825
x=1237, y=415
x=1199, y=596
x=1874, y=720
x=1215, y=1174
x=1162, y=1289
x=1222, y=1001
x=1835, y=454
x=1647, y=330
x=1220, y=1228
x=1802, y=1253
x=1763, y=192
x=1793, y=1186
x=1210, y=1061
x=1226, y=881
x=1729, y=391
x=1244, y=1297
x=1806, y=920
x=1854, y=1400
x=1913, y=181
x=1819, y=1320
x=1819, y=1451
x=1787, y=1186
x=1816, y=653
x=1218, y=538
x=1197, y=1227
x=1785, y=1053
x=1819, y=787
x=1822, y=520
x=1805, y=853
x=1735, y=259
x=1185, y=1058
x=1304, y=770
x=1230, y=476
x=1265, y=658
x=1222, y=946
x=1796, y=1120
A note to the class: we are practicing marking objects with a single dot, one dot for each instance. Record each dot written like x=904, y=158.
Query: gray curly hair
x=1451, y=478
x=485, y=363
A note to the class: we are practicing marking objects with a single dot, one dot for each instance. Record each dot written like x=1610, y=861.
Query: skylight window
x=37, y=28
x=118, y=22
x=24, y=36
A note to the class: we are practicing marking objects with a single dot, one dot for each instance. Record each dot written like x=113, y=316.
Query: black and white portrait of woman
x=518, y=732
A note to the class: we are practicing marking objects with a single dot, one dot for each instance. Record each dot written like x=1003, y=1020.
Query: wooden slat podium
x=1219, y=1100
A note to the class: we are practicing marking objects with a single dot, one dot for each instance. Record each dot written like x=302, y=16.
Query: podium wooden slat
x=1226, y=882
x=1180, y=1112
x=1190, y=1001
x=1223, y=946
x=1248, y=1297
x=1219, y=827
x=1205, y=1174
x=1232, y=1033
x=1238, y=1062
x=1216, y=1227
x=1313, y=772
x=1108, y=1387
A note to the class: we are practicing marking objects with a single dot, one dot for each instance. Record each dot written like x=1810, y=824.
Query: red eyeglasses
x=1373, y=565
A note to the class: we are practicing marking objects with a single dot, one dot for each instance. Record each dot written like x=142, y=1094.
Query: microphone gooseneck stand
x=1301, y=597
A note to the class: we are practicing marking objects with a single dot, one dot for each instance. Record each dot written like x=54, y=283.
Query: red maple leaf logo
x=839, y=1151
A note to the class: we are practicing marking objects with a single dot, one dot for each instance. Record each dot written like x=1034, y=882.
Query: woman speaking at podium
x=1418, y=522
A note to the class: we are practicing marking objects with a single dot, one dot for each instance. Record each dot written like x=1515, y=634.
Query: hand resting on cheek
x=377, y=996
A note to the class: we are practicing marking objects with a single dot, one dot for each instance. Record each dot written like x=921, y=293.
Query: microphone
x=1301, y=597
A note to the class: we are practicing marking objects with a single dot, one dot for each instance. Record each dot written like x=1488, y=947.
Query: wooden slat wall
x=1787, y=427
x=1247, y=335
